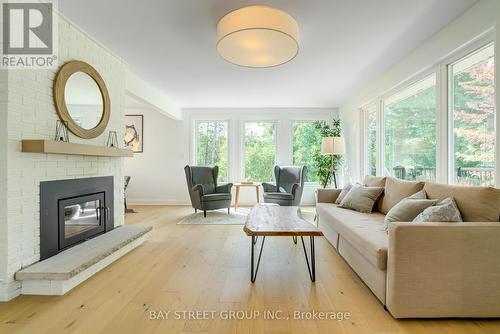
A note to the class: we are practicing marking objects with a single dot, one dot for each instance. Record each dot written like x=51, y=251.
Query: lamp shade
x=257, y=36
x=333, y=145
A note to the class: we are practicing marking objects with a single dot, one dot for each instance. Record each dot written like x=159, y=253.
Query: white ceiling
x=343, y=44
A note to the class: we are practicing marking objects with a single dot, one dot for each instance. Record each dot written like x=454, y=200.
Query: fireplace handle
x=106, y=212
x=106, y=209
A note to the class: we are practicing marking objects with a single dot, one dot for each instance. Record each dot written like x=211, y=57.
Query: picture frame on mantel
x=134, y=133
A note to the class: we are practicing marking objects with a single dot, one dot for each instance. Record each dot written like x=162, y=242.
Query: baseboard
x=9, y=290
x=147, y=201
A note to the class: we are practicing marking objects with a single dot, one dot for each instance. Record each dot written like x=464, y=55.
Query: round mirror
x=82, y=100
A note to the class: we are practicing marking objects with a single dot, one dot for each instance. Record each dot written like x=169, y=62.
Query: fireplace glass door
x=81, y=218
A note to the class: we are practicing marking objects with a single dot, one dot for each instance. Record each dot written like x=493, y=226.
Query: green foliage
x=474, y=121
x=410, y=126
x=410, y=131
x=372, y=142
x=324, y=162
x=474, y=116
x=212, y=146
x=306, y=143
x=260, y=150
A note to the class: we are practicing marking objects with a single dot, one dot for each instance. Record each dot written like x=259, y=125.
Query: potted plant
x=327, y=163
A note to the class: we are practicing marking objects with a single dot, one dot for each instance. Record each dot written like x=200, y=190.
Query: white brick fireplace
x=27, y=112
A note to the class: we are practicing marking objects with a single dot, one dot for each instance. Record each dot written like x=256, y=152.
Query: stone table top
x=274, y=220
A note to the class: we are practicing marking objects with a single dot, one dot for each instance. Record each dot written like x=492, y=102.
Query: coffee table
x=279, y=221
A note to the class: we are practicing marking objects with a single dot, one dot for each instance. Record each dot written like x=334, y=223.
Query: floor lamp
x=333, y=146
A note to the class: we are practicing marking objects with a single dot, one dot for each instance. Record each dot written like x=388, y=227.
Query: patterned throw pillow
x=408, y=208
x=343, y=193
x=444, y=211
x=361, y=199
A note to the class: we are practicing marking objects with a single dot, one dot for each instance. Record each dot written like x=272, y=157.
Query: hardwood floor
x=182, y=267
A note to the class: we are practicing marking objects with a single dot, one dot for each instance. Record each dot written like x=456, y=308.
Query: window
x=259, y=150
x=472, y=108
x=306, y=144
x=212, y=146
x=370, y=116
x=410, y=131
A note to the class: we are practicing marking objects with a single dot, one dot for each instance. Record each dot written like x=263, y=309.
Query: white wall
x=145, y=93
x=478, y=20
x=158, y=175
x=3, y=181
x=32, y=115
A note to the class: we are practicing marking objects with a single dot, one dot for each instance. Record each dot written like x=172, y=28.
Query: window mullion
x=380, y=139
x=442, y=119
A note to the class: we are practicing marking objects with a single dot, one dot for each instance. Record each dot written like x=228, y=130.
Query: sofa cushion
x=216, y=197
x=361, y=198
x=376, y=181
x=396, y=190
x=476, y=204
x=278, y=195
x=363, y=231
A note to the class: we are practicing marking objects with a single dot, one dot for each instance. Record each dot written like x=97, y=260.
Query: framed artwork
x=134, y=133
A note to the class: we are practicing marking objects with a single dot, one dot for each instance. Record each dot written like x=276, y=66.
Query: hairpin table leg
x=255, y=267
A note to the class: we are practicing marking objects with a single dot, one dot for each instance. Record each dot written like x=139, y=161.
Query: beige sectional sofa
x=422, y=270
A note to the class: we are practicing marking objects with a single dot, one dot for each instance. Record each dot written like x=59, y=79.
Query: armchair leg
x=205, y=213
x=228, y=211
x=195, y=210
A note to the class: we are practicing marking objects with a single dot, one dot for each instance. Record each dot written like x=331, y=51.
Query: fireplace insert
x=72, y=211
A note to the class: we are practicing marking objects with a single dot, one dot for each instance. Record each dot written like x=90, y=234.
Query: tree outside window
x=212, y=146
x=410, y=131
x=370, y=116
x=306, y=143
x=473, y=112
x=259, y=150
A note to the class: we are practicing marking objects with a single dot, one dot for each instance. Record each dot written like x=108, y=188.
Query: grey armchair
x=205, y=192
x=288, y=188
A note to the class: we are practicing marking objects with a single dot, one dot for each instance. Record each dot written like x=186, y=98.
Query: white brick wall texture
x=3, y=182
x=31, y=114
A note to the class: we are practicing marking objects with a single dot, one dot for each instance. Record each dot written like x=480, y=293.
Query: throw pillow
x=361, y=198
x=407, y=209
x=444, y=211
x=343, y=193
x=397, y=190
x=376, y=181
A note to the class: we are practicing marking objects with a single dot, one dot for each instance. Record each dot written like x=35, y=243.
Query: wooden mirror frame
x=62, y=77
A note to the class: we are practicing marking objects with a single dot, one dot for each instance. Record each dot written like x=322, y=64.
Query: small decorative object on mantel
x=62, y=131
x=134, y=133
x=112, y=139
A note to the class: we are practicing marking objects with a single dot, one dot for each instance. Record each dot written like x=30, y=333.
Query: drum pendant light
x=257, y=36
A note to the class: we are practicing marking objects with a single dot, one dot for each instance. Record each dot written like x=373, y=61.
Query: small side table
x=256, y=185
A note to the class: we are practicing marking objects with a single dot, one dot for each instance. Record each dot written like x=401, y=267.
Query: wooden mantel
x=60, y=147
